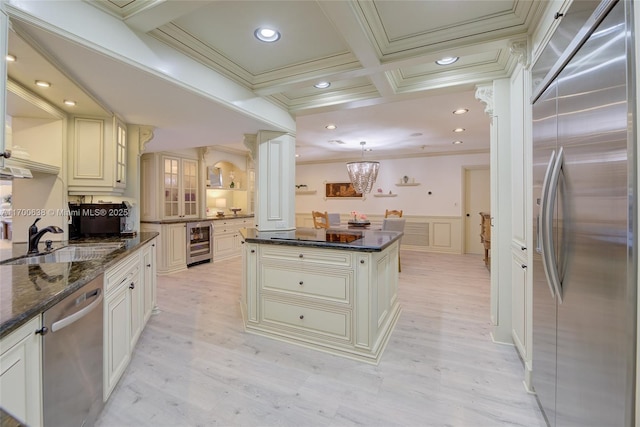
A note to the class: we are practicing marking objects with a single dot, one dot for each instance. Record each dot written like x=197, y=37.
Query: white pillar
x=4, y=46
x=497, y=100
x=274, y=158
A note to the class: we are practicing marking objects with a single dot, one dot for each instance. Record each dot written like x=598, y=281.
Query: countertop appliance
x=72, y=358
x=199, y=242
x=584, y=225
x=98, y=219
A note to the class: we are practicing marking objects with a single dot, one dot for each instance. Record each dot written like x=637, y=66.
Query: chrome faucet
x=35, y=235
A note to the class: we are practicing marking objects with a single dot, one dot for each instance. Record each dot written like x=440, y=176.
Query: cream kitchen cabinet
x=339, y=301
x=170, y=188
x=227, y=240
x=21, y=373
x=97, y=156
x=171, y=245
x=129, y=300
x=149, y=279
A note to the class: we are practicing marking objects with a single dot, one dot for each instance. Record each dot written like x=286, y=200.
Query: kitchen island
x=332, y=290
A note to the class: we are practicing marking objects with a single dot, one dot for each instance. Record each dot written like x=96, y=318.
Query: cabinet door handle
x=42, y=331
x=148, y=265
x=523, y=248
x=523, y=265
x=301, y=316
x=301, y=256
x=301, y=283
x=361, y=261
x=132, y=286
x=253, y=251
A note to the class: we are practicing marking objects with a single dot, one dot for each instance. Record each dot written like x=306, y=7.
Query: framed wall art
x=341, y=190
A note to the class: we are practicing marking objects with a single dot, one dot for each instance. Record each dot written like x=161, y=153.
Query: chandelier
x=363, y=174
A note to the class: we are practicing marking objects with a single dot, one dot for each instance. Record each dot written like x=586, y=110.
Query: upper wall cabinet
x=97, y=156
x=169, y=187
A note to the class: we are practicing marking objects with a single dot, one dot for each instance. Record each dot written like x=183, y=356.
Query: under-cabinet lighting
x=331, y=126
x=42, y=83
x=70, y=102
x=322, y=85
x=457, y=142
x=461, y=111
x=458, y=130
x=11, y=58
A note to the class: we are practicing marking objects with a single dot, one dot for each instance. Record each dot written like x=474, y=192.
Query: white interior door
x=477, y=199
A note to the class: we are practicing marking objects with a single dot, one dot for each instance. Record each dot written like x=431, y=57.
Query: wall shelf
x=384, y=195
x=409, y=184
x=306, y=191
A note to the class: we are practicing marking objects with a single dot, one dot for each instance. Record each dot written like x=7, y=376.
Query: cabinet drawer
x=323, y=257
x=316, y=320
x=230, y=225
x=329, y=285
x=125, y=271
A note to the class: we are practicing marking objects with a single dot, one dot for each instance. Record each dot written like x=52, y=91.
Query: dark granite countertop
x=332, y=238
x=209, y=218
x=27, y=290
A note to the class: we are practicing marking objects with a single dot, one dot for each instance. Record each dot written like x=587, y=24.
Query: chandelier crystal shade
x=363, y=174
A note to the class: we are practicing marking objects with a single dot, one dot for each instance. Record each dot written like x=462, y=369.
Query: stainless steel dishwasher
x=72, y=358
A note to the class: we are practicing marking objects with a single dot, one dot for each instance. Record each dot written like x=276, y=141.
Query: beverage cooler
x=199, y=242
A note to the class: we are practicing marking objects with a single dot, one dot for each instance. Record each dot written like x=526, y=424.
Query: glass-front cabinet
x=168, y=187
x=180, y=188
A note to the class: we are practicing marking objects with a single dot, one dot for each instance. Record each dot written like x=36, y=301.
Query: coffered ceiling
x=379, y=57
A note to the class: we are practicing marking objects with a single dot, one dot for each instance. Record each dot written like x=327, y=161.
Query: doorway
x=477, y=198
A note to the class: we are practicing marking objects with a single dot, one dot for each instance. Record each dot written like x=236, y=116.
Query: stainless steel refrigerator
x=585, y=226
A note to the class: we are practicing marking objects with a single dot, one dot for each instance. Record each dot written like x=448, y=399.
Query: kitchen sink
x=71, y=253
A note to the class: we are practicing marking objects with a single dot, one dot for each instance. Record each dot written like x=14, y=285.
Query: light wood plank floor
x=195, y=366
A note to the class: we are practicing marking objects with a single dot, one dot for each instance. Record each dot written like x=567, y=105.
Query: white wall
x=440, y=175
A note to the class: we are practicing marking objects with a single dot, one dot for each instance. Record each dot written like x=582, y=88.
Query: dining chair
x=394, y=224
x=320, y=219
x=334, y=219
x=389, y=213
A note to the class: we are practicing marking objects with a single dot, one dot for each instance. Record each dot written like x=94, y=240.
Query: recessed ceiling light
x=458, y=130
x=461, y=111
x=456, y=142
x=337, y=141
x=331, y=127
x=322, y=85
x=447, y=60
x=42, y=83
x=265, y=34
x=11, y=58
x=297, y=155
x=70, y=102
x=368, y=149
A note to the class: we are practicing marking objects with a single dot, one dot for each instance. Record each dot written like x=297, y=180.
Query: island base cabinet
x=21, y=373
x=338, y=301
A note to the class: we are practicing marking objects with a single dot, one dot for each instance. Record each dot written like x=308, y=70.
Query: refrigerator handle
x=552, y=266
x=544, y=223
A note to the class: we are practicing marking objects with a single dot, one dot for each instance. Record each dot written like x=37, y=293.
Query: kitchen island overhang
x=333, y=290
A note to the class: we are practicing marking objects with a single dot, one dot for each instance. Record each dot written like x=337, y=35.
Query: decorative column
x=496, y=97
x=4, y=47
x=274, y=157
